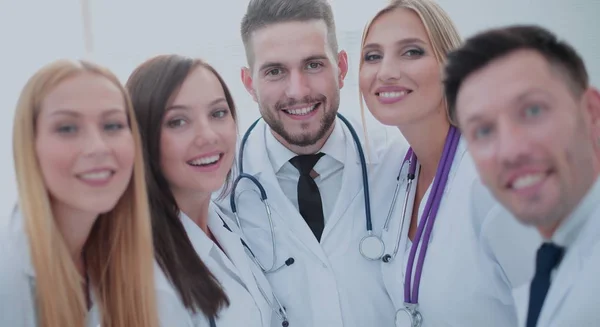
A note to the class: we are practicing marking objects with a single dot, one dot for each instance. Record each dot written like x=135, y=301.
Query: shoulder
x=504, y=240
x=16, y=275
x=381, y=144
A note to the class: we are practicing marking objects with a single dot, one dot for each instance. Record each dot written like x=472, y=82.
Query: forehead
x=201, y=85
x=396, y=25
x=504, y=81
x=290, y=42
x=86, y=93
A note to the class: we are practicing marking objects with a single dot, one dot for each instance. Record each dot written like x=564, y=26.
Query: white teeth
x=302, y=111
x=205, y=160
x=96, y=176
x=392, y=94
x=527, y=181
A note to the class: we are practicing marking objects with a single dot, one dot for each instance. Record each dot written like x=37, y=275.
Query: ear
x=342, y=67
x=592, y=106
x=246, y=75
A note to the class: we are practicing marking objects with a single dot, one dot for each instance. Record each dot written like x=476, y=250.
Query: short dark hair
x=262, y=13
x=151, y=87
x=483, y=48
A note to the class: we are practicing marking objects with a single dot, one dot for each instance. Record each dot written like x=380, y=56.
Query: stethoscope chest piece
x=372, y=247
x=407, y=317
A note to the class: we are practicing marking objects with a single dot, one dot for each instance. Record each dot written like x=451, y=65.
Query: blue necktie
x=548, y=257
x=309, y=197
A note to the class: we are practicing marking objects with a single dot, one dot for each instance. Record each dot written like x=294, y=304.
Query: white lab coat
x=507, y=249
x=453, y=289
x=17, y=283
x=234, y=261
x=573, y=298
x=330, y=284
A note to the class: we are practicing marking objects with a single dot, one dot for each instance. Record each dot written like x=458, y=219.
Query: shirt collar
x=201, y=242
x=279, y=155
x=567, y=232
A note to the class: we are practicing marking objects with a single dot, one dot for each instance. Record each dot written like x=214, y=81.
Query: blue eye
x=67, y=129
x=114, y=126
x=481, y=132
x=532, y=111
x=414, y=53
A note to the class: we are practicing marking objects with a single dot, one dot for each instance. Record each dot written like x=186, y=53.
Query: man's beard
x=303, y=139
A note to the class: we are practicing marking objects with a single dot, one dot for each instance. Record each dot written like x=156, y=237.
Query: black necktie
x=309, y=197
x=548, y=257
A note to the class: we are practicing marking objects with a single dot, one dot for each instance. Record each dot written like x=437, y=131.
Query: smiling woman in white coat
x=77, y=251
x=187, y=120
x=431, y=262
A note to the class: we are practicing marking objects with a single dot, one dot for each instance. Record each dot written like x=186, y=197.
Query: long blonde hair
x=119, y=249
x=441, y=31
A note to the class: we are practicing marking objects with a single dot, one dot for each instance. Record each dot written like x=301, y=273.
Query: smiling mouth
x=206, y=161
x=302, y=111
x=96, y=175
x=528, y=180
x=392, y=95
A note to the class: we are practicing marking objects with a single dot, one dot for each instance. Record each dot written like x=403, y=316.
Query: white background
x=126, y=32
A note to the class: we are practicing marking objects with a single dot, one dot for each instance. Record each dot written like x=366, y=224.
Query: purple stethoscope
x=410, y=315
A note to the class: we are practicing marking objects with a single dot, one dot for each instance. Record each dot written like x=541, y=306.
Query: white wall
x=126, y=32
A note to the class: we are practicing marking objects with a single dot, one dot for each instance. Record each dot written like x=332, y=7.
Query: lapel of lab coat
x=352, y=182
x=257, y=163
x=232, y=246
x=571, y=267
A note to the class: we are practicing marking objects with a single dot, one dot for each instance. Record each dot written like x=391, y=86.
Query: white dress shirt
x=330, y=169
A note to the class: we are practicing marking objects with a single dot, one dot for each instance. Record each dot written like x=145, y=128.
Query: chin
x=98, y=206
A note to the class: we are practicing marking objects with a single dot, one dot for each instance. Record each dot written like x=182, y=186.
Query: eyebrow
x=74, y=113
x=398, y=43
x=185, y=107
x=273, y=64
x=530, y=91
x=520, y=98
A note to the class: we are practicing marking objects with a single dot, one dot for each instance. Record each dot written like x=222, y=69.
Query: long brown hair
x=119, y=250
x=152, y=86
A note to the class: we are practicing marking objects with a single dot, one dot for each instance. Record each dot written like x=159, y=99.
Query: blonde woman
x=431, y=265
x=78, y=250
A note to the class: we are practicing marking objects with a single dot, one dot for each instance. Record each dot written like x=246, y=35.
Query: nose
x=205, y=133
x=389, y=69
x=96, y=144
x=513, y=145
x=297, y=87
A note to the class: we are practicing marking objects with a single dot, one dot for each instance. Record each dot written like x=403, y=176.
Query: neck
x=75, y=227
x=195, y=206
x=427, y=138
x=309, y=149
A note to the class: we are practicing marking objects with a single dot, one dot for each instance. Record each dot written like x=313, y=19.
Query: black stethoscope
x=279, y=309
x=366, y=247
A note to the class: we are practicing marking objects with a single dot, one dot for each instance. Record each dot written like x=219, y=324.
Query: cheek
x=267, y=91
x=171, y=154
x=125, y=150
x=230, y=133
x=430, y=78
x=57, y=160
x=365, y=79
x=485, y=163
